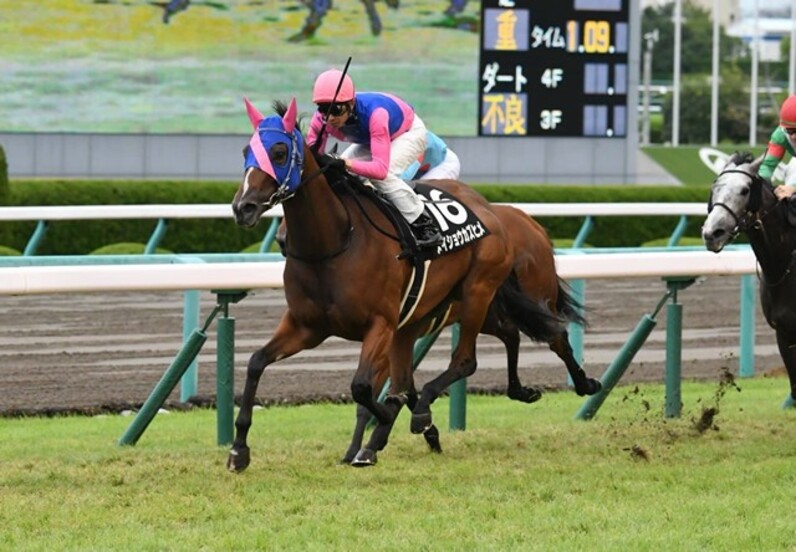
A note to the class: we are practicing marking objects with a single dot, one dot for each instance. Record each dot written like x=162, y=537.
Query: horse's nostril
x=248, y=208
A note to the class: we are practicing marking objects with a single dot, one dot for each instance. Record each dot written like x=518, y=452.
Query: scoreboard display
x=554, y=68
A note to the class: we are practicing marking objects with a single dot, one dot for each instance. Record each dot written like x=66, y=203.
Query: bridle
x=283, y=191
x=752, y=218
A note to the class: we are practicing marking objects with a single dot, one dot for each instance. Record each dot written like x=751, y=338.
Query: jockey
x=386, y=137
x=782, y=140
x=439, y=162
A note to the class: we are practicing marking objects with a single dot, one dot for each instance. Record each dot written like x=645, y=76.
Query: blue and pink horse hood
x=269, y=131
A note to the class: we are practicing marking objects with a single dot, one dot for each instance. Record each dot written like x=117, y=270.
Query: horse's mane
x=741, y=157
x=281, y=108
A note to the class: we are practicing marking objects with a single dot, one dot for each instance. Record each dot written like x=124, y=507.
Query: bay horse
x=534, y=266
x=343, y=276
x=742, y=201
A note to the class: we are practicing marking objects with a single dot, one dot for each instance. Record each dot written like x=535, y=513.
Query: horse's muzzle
x=246, y=214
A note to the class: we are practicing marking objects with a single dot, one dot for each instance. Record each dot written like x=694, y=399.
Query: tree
x=733, y=110
x=697, y=40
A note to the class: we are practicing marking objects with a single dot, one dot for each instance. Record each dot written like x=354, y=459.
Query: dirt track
x=107, y=351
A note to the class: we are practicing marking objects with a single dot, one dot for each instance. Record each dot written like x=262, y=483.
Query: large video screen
x=183, y=66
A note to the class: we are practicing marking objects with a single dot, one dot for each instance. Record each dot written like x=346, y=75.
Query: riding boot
x=426, y=232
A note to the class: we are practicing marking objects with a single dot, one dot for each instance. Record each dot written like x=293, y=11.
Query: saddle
x=409, y=248
x=456, y=235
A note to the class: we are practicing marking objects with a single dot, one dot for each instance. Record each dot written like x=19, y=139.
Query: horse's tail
x=567, y=306
x=534, y=319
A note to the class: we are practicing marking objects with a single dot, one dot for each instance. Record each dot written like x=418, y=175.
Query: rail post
x=625, y=356
x=225, y=367
x=190, y=349
x=746, y=368
x=674, y=347
x=458, y=393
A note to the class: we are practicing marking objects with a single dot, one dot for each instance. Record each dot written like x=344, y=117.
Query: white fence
x=30, y=280
x=110, y=212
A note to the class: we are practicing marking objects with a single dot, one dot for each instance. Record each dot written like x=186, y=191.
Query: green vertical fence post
x=674, y=346
x=225, y=367
x=458, y=393
x=190, y=320
x=225, y=379
x=161, y=392
x=575, y=330
x=746, y=368
x=421, y=348
x=674, y=320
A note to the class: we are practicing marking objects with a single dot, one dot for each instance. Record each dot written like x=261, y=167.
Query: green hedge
x=223, y=235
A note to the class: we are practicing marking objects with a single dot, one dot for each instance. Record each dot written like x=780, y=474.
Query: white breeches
x=404, y=150
x=449, y=169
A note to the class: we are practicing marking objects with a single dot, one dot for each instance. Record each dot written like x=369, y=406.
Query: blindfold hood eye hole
x=278, y=154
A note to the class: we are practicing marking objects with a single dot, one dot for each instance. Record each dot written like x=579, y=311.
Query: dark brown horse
x=344, y=277
x=742, y=201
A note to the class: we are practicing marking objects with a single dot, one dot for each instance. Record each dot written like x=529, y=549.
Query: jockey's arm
x=378, y=166
x=774, y=154
x=315, y=128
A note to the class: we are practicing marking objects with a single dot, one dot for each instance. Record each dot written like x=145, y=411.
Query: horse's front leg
x=786, y=343
x=374, y=362
x=290, y=338
x=373, y=16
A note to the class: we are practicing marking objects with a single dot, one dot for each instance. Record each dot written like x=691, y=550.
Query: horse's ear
x=254, y=115
x=755, y=165
x=289, y=118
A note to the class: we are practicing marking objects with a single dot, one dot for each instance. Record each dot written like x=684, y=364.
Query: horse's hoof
x=364, y=458
x=349, y=457
x=591, y=387
x=527, y=395
x=420, y=422
x=238, y=460
x=431, y=436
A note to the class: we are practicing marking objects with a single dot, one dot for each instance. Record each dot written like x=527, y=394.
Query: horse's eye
x=245, y=152
x=744, y=191
x=278, y=154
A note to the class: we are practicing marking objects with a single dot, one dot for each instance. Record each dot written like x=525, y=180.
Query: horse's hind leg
x=289, y=339
x=584, y=385
x=508, y=333
x=474, y=308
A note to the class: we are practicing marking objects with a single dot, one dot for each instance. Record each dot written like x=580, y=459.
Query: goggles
x=332, y=109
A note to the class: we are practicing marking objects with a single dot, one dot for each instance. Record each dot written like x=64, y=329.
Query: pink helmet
x=326, y=85
x=787, y=114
